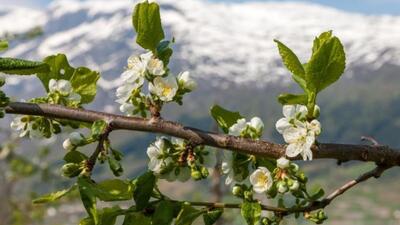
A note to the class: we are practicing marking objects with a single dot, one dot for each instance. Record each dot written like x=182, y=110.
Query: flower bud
x=316, y=111
x=186, y=81
x=248, y=195
x=257, y=124
x=237, y=191
x=71, y=170
x=295, y=186
x=67, y=145
x=283, y=163
x=75, y=138
x=204, y=172
x=282, y=188
x=196, y=175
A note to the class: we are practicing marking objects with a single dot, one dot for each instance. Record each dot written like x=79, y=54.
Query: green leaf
x=326, y=65
x=88, y=197
x=147, y=23
x=136, y=219
x=51, y=197
x=113, y=190
x=251, y=212
x=98, y=128
x=59, y=69
x=75, y=157
x=22, y=67
x=164, y=213
x=322, y=38
x=86, y=221
x=291, y=99
x=293, y=64
x=187, y=215
x=108, y=216
x=224, y=118
x=212, y=216
x=84, y=82
x=164, y=51
x=316, y=193
x=144, y=187
x=3, y=45
x=115, y=166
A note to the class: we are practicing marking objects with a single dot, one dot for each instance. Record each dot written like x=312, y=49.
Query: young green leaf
x=98, y=128
x=147, y=23
x=51, y=197
x=164, y=51
x=293, y=64
x=88, y=197
x=326, y=65
x=224, y=118
x=136, y=219
x=212, y=216
x=251, y=212
x=84, y=82
x=3, y=45
x=115, y=166
x=318, y=41
x=22, y=67
x=187, y=215
x=59, y=69
x=86, y=221
x=108, y=216
x=113, y=190
x=164, y=213
x=291, y=99
x=144, y=187
x=316, y=193
x=75, y=157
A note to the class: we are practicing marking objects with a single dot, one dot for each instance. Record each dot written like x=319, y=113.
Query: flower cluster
x=35, y=127
x=252, y=129
x=162, y=86
x=235, y=165
x=298, y=132
x=61, y=92
x=171, y=160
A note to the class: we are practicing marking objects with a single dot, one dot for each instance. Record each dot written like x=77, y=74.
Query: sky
x=361, y=6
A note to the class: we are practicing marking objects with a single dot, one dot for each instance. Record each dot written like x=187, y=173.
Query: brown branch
x=376, y=173
x=341, y=152
x=100, y=147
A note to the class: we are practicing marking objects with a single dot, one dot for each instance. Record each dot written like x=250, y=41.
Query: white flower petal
x=293, y=150
x=289, y=111
x=282, y=125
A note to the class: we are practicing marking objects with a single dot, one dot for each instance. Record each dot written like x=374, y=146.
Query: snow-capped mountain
x=221, y=42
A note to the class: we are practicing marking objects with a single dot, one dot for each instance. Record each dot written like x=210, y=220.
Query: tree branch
x=341, y=152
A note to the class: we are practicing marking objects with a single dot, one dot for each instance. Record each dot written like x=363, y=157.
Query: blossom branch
x=342, y=152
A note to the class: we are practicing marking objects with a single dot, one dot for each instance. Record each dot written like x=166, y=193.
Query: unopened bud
x=67, y=145
x=237, y=191
x=76, y=138
x=71, y=170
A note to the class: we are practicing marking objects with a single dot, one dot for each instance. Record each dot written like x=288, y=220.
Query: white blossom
x=156, y=152
x=237, y=128
x=300, y=141
x=227, y=168
x=64, y=87
x=156, y=67
x=186, y=81
x=292, y=113
x=261, y=180
x=314, y=126
x=164, y=88
x=283, y=163
x=127, y=108
x=282, y=188
x=25, y=127
x=257, y=124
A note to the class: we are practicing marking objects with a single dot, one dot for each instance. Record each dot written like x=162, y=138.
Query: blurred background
x=228, y=46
